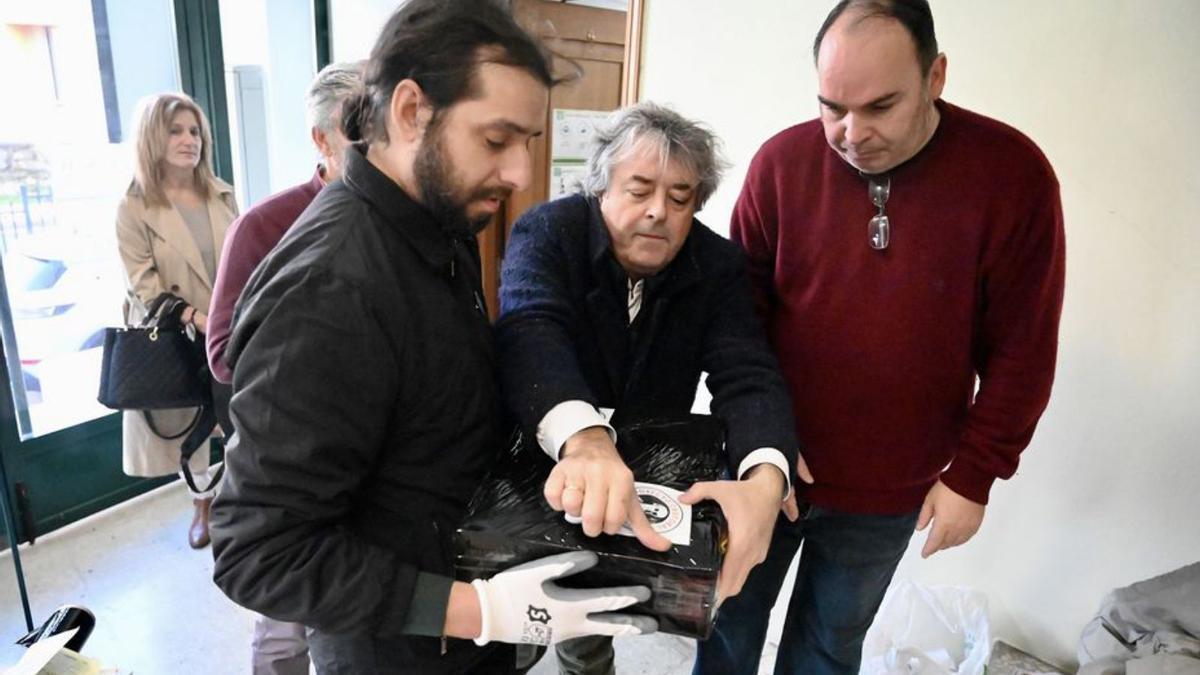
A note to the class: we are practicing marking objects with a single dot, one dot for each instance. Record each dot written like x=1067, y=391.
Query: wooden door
x=595, y=40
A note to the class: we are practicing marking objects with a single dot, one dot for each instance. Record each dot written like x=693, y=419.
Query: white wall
x=291, y=64
x=276, y=35
x=1108, y=493
x=355, y=24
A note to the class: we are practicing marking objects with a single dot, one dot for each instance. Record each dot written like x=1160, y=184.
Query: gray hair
x=329, y=88
x=672, y=135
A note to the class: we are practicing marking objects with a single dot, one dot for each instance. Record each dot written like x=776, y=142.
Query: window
x=81, y=66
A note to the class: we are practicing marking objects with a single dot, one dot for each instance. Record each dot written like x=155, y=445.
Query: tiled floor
x=157, y=611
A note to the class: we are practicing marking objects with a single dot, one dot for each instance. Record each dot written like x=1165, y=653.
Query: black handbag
x=158, y=365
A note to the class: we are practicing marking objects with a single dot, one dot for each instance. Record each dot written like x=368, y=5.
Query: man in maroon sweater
x=901, y=247
x=278, y=648
x=252, y=236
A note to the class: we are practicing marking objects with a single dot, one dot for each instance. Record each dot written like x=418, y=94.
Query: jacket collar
x=168, y=223
x=415, y=223
x=625, y=361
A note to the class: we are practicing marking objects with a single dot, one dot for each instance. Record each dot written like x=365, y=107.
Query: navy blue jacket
x=564, y=331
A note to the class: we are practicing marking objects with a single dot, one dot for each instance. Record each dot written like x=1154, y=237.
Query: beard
x=441, y=192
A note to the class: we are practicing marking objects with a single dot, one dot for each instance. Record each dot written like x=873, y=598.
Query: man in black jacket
x=620, y=299
x=365, y=403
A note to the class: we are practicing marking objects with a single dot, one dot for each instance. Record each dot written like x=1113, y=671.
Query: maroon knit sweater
x=249, y=239
x=881, y=349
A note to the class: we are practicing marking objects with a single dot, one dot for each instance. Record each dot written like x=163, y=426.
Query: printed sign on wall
x=570, y=144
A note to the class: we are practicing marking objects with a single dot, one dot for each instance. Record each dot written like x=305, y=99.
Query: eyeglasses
x=880, y=228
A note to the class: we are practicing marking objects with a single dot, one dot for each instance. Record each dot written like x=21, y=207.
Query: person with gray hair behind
x=618, y=299
x=278, y=647
x=252, y=236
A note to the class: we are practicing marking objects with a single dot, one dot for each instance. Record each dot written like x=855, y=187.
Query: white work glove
x=523, y=604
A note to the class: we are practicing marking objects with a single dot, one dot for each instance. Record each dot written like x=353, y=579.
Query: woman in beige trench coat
x=170, y=228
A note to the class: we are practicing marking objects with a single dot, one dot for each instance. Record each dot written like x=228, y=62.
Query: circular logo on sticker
x=663, y=512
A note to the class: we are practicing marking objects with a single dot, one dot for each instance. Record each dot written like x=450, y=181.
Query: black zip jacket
x=366, y=412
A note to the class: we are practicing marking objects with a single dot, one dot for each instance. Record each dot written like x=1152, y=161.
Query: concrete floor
x=157, y=610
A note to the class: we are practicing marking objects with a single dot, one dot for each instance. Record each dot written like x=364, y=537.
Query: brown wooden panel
x=595, y=40
x=571, y=22
x=592, y=51
x=491, y=249
x=599, y=89
x=632, y=78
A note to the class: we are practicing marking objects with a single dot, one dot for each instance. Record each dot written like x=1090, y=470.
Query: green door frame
x=83, y=463
x=324, y=44
x=202, y=72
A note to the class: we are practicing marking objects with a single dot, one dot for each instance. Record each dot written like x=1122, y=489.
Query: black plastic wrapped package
x=509, y=522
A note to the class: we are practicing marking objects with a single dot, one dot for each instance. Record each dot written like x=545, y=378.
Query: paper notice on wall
x=667, y=515
x=565, y=178
x=571, y=133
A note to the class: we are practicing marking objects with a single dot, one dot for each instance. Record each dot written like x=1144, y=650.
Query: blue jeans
x=845, y=567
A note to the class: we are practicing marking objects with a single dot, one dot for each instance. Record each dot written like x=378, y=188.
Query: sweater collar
x=946, y=118
x=317, y=182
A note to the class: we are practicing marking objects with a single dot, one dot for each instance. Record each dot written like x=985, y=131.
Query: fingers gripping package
x=509, y=522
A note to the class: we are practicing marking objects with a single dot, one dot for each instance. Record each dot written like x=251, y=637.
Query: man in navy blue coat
x=612, y=304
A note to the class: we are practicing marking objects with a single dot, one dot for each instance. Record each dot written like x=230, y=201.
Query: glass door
x=80, y=68
x=74, y=72
x=269, y=58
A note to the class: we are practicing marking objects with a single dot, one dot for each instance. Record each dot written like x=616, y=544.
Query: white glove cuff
x=485, y=612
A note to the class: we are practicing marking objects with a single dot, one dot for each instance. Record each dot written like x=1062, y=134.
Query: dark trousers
x=362, y=653
x=591, y=655
x=845, y=567
x=221, y=395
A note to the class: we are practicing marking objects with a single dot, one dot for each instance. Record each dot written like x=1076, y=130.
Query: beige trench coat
x=159, y=254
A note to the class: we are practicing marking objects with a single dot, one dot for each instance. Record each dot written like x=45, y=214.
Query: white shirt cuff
x=564, y=420
x=767, y=456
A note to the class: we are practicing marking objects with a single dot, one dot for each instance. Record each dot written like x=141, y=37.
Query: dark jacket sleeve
x=316, y=377
x=744, y=378
x=538, y=365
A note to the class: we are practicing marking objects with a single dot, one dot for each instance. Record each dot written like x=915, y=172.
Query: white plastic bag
x=921, y=630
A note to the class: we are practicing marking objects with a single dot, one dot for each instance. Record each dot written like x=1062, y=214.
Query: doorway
x=601, y=37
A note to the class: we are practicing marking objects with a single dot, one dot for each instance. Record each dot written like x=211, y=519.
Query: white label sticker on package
x=669, y=517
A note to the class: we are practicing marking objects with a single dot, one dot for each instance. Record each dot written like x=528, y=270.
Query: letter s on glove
x=524, y=605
